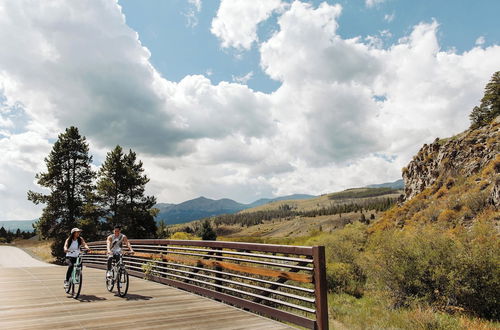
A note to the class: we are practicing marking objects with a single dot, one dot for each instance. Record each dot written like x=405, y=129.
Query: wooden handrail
x=247, y=275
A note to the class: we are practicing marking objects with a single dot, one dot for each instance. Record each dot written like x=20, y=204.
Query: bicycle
x=76, y=278
x=119, y=275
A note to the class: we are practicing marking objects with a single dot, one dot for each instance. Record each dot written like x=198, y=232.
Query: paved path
x=11, y=256
x=33, y=298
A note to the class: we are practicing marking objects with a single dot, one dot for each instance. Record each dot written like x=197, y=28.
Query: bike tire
x=122, y=283
x=110, y=282
x=77, y=287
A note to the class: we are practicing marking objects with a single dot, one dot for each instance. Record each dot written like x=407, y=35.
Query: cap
x=75, y=229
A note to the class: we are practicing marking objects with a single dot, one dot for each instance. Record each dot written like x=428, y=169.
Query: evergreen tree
x=18, y=233
x=489, y=108
x=3, y=232
x=162, y=231
x=69, y=178
x=121, y=190
x=206, y=231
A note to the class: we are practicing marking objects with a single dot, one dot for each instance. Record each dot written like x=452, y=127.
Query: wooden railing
x=283, y=282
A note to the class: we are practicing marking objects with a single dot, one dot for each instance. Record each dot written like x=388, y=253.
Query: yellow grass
x=39, y=249
x=317, y=202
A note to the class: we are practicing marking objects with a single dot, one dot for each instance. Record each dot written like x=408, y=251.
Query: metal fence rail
x=280, y=281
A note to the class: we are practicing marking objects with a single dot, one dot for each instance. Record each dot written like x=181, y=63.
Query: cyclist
x=114, y=244
x=72, y=248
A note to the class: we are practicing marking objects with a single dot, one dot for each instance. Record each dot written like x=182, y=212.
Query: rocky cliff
x=463, y=155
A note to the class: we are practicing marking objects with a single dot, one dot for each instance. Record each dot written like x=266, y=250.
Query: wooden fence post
x=320, y=288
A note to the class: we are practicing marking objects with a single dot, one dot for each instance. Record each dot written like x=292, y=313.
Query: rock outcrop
x=463, y=155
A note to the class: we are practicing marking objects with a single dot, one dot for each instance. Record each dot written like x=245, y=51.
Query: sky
x=239, y=99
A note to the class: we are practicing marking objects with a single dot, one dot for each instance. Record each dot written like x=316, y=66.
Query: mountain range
x=13, y=225
x=199, y=208
x=398, y=184
x=203, y=207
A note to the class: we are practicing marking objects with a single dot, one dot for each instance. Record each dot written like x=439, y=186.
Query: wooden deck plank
x=33, y=298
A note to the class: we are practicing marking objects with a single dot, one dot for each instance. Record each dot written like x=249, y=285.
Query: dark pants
x=116, y=257
x=70, y=261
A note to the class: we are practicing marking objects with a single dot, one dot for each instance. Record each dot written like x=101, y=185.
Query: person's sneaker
x=66, y=284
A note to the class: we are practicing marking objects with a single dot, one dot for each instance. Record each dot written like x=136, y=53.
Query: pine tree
x=206, y=232
x=489, y=108
x=69, y=178
x=121, y=190
x=162, y=231
x=3, y=232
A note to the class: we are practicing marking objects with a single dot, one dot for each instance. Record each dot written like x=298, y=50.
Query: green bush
x=344, y=249
x=439, y=268
x=345, y=278
x=479, y=272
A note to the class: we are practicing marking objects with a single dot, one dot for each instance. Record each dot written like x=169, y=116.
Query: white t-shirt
x=73, y=249
x=116, y=243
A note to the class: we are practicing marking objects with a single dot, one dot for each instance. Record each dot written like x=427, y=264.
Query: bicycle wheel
x=77, y=285
x=110, y=282
x=122, y=284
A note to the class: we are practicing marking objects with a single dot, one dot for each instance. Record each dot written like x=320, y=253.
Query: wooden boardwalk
x=34, y=298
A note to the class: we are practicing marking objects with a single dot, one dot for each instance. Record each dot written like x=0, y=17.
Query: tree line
x=7, y=236
x=287, y=211
x=93, y=200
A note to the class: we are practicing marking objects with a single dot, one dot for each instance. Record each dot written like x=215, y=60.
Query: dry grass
x=295, y=227
x=39, y=249
x=323, y=201
x=374, y=311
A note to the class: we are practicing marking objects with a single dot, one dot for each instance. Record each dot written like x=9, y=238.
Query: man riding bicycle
x=114, y=244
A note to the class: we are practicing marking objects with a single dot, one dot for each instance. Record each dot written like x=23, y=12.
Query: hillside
x=203, y=207
x=295, y=218
x=359, y=195
x=453, y=181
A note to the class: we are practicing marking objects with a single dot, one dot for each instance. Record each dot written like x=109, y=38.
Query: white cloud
x=372, y=3
x=196, y=4
x=480, y=41
x=243, y=79
x=389, y=17
x=192, y=13
x=237, y=20
x=349, y=112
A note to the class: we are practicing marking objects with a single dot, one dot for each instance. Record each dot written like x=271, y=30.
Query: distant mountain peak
x=398, y=184
x=202, y=207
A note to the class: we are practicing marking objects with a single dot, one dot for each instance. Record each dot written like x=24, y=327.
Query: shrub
x=448, y=216
x=414, y=264
x=440, y=268
x=183, y=236
x=344, y=278
x=344, y=249
x=476, y=201
x=479, y=271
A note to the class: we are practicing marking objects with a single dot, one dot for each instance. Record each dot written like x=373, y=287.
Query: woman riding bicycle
x=72, y=249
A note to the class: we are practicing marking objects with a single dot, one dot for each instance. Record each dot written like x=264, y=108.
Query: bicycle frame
x=77, y=267
x=76, y=277
x=119, y=276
